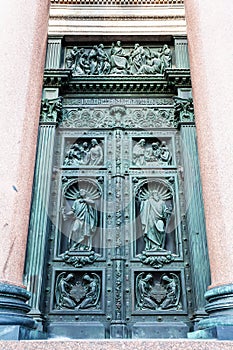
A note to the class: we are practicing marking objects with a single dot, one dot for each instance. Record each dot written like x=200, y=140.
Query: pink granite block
x=23, y=31
x=118, y=345
x=209, y=29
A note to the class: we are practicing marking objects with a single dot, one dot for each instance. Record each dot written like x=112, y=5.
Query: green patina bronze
x=117, y=235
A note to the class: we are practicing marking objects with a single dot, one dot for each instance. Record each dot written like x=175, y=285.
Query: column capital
x=51, y=111
x=183, y=111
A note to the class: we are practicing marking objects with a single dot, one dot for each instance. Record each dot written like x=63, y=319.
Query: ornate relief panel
x=118, y=250
x=111, y=226
x=118, y=60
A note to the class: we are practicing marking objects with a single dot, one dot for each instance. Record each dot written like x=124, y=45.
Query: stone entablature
x=119, y=2
x=125, y=17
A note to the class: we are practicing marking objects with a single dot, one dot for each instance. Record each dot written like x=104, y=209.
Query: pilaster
x=196, y=230
x=54, y=52
x=181, y=52
x=36, y=252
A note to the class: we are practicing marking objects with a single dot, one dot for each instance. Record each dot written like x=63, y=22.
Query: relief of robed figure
x=154, y=294
x=83, y=293
x=154, y=214
x=83, y=216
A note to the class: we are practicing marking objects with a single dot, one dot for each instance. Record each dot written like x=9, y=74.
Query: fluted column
x=53, y=55
x=23, y=31
x=181, y=52
x=37, y=240
x=209, y=29
x=195, y=218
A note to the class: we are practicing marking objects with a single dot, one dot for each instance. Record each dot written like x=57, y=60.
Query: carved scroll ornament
x=117, y=116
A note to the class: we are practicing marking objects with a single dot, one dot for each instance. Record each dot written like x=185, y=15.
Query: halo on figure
x=159, y=187
x=72, y=189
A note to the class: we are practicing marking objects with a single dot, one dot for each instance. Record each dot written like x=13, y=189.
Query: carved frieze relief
x=85, y=152
x=117, y=60
x=152, y=152
x=118, y=116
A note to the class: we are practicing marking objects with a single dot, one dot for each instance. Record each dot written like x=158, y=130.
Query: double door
x=118, y=260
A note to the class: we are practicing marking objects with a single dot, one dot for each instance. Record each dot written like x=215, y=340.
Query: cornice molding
x=141, y=19
x=117, y=2
x=149, y=84
x=122, y=18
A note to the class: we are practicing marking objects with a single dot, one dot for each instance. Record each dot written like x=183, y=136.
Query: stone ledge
x=117, y=345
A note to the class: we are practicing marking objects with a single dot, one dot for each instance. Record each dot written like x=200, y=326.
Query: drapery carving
x=117, y=60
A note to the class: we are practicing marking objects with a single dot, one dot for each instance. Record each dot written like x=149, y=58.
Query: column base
x=20, y=333
x=217, y=332
x=14, y=320
x=219, y=323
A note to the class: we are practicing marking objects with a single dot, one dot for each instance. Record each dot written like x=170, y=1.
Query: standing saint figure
x=139, y=153
x=85, y=221
x=165, y=153
x=154, y=217
x=96, y=153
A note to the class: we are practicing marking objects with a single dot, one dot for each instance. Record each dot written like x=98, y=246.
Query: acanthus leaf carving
x=183, y=109
x=118, y=116
x=51, y=110
x=79, y=260
x=156, y=261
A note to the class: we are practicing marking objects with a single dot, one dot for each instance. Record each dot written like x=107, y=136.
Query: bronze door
x=118, y=260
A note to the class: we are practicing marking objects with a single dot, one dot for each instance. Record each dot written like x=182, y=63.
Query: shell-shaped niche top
x=162, y=188
x=72, y=189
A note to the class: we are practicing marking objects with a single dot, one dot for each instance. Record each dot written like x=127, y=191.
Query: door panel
x=118, y=257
